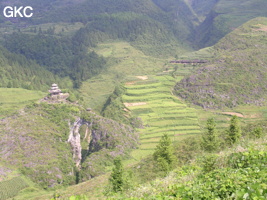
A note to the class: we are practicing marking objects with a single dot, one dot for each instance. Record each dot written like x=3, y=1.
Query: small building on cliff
x=54, y=90
x=56, y=93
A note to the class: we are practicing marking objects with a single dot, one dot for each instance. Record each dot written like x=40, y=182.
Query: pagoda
x=54, y=90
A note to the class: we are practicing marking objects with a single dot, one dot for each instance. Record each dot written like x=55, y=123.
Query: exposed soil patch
x=142, y=77
x=262, y=28
x=135, y=104
x=130, y=83
x=233, y=113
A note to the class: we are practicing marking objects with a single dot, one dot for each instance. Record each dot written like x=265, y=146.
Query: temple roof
x=54, y=89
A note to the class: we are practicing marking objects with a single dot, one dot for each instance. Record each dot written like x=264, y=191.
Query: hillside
x=202, y=7
x=234, y=172
x=34, y=143
x=237, y=73
x=225, y=16
x=19, y=72
x=189, y=23
x=61, y=56
x=148, y=24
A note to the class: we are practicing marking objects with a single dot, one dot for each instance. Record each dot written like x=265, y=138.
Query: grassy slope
x=236, y=75
x=163, y=109
x=13, y=99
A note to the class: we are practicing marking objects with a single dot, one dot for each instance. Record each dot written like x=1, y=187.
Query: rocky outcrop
x=75, y=140
x=113, y=137
x=109, y=134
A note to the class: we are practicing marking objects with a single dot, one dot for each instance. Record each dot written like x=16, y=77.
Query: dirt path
x=135, y=104
x=234, y=113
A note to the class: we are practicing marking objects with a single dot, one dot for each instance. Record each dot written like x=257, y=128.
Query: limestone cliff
x=75, y=141
x=107, y=136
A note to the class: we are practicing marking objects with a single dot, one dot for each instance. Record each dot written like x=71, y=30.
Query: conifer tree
x=234, y=132
x=116, y=177
x=164, y=154
x=210, y=141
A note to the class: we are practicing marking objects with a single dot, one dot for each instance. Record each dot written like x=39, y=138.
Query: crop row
x=162, y=112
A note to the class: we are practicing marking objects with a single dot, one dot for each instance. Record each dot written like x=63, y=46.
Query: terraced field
x=160, y=111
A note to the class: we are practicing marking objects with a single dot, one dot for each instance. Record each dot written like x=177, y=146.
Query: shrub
x=257, y=132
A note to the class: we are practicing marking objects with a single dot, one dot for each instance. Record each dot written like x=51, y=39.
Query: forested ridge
x=147, y=34
x=19, y=72
x=194, y=22
x=61, y=56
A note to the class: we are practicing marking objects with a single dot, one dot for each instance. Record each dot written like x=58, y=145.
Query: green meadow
x=13, y=99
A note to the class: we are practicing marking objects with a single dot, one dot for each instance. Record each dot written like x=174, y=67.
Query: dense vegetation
x=236, y=75
x=46, y=164
x=62, y=56
x=16, y=71
x=148, y=25
x=114, y=107
x=141, y=31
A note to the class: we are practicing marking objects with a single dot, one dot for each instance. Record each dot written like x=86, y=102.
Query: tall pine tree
x=164, y=154
x=234, y=132
x=116, y=177
x=210, y=140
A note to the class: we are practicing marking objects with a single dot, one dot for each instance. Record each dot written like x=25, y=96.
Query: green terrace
x=161, y=112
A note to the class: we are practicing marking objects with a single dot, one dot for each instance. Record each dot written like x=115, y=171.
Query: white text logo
x=18, y=12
